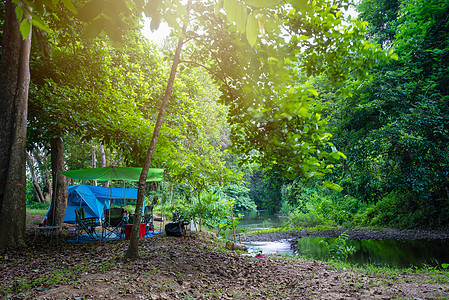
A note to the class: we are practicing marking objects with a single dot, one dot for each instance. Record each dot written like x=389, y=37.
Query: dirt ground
x=197, y=268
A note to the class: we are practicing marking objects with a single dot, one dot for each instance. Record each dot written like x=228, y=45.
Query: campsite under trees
x=304, y=110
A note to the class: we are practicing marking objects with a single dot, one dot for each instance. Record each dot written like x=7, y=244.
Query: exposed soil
x=197, y=268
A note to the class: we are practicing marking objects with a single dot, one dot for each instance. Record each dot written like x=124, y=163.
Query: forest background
x=389, y=126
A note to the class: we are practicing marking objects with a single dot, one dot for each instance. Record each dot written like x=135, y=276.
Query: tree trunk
x=45, y=174
x=103, y=162
x=133, y=248
x=94, y=161
x=14, y=84
x=36, y=186
x=59, y=201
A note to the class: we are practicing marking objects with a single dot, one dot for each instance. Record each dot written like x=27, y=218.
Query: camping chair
x=113, y=222
x=85, y=224
x=148, y=218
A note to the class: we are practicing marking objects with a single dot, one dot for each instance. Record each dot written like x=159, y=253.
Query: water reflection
x=392, y=253
x=261, y=220
x=280, y=247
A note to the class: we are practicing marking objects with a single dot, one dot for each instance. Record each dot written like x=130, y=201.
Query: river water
x=391, y=253
x=261, y=220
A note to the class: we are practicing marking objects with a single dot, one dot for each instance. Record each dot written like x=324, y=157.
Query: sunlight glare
x=157, y=36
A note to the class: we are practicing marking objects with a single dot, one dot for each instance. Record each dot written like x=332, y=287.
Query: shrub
x=339, y=249
x=300, y=219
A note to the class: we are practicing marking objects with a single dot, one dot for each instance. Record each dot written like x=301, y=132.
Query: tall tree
x=267, y=110
x=133, y=249
x=14, y=83
x=15, y=80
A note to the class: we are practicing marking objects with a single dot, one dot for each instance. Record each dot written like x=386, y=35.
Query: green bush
x=299, y=219
x=339, y=249
x=213, y=209
x=240, y=194
x=317, y=204
x=392, y=210
x=31, y=196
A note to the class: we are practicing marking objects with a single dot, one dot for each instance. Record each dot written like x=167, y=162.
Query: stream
x=390, y=253
x=400, y=253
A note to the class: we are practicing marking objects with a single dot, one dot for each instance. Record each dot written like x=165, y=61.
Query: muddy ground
x=197, y=268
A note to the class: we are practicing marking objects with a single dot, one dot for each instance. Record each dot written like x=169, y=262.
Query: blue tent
x=95, y=199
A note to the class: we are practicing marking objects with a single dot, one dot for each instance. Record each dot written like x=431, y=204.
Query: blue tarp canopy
x=95, y=199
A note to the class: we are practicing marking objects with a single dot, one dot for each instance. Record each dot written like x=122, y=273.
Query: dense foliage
x=392, y=125
x=295, y=89
x=395, y=127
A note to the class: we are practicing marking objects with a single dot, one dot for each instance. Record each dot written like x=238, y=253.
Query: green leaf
x=342, y=155
x=29, y=3
x=118, y=7
x=19, y=12
x=171, y=19
x=155, y=22
x=69, y=5
x=332, y=186
x=113, y=31
x=240, y=17
x=252, y=29
x=94, y=28
x=314, y=92
x=304, y=112
x=230, y=8
x=301, y=5
x=25, y=28
x=151, y=8
x=218, y=6
x=263, y=3
x=91, y=10
x=47, y=3
x=36, y=22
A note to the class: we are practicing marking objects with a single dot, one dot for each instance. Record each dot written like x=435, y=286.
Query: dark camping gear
x=174, y=229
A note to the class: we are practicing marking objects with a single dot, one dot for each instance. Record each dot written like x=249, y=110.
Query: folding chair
x=85, y=224
x=113, y=222
x=148, y=218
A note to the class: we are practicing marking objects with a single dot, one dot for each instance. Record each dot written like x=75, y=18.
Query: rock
x=235, y=246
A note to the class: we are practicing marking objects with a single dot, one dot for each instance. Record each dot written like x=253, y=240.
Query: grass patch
x=37, y=211
x=431, y=274
x=427, y=274
x=288, y=229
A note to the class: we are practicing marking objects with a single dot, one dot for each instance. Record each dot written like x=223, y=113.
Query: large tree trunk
x=60, y=184
x=133, y=248
x=36, y=186
x=14, y=84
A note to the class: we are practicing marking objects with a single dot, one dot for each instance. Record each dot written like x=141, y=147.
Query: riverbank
x=354, y=233
x=200, y=267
